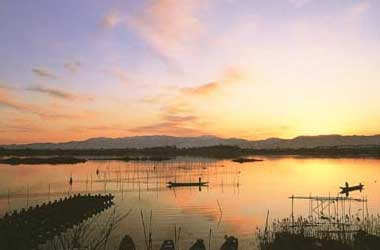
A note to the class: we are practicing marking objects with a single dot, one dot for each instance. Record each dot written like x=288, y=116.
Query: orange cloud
x=205, y=89
x=6, y=101
x=44, y=112
x=166, y=128
x=181, y=114
x=229, y=76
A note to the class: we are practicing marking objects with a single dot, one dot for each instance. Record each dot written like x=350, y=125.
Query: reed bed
x=349, y=232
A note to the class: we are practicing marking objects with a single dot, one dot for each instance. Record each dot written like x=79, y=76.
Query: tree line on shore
x=219, y=151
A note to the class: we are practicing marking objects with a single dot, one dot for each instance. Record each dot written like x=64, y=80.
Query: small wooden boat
x=244, y=160
x=347, y=189
x=230, y=243
x=127, y=243
x=187, y=184
x=167, y=245
x=198, y=245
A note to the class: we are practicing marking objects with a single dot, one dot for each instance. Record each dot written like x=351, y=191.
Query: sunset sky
x=75, y=69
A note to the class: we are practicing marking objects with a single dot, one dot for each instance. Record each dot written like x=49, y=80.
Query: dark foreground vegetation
x=35, y=160
x=310, y=234
x=222, y=152
x=288, y=241
x=27, y=229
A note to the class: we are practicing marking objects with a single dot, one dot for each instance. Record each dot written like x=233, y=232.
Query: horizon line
x=198, y=136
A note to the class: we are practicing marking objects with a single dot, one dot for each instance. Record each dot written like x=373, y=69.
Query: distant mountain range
x=203, y=141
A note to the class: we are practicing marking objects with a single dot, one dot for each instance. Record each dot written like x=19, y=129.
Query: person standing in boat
x=200, y=179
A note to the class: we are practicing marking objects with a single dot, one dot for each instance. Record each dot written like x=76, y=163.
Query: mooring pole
x=122, y=191
x=9, y=200
x=292, y=209
x=27, y=195
x=91, y=183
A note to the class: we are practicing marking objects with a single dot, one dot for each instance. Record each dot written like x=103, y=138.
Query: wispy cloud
x=72, y=67
x=8, y=102
x=168, y=26
x=44, y=73
x=111, y=20
x=229, y=76
x=44, y=112
x=357, y=10
x=59, y=93
x=204, y=89
x=121, y=74
x=18, y=125
x=166, y=128
x=176, y=118
x=181, y=114
x=299, y=3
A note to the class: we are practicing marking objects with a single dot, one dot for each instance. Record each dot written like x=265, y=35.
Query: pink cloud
x=357, y=10
x=111, y=20
x=168, y=26
x=299, y=3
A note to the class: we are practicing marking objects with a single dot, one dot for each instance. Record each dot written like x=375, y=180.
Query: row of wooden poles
x=155, y=171
x=27, y=228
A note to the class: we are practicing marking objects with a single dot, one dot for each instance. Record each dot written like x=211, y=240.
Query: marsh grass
x=90, y=235
x=349, y=232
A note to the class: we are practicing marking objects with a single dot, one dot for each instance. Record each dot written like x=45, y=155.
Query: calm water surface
x=245, y=192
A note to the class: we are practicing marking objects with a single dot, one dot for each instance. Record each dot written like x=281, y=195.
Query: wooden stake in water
x=86, y=183
x=266, y=225
x=9, y=200
x=27, y=195
x=91, y=183
x=292, y=209
x=139, y=191
x=122, y=191
x=209, y=239
x=143, y=223
x=49, y=193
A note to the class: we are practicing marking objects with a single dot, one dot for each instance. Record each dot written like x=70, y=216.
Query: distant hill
x=203, y=141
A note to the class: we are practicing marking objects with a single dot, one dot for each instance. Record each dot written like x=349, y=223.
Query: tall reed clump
x=328, y=232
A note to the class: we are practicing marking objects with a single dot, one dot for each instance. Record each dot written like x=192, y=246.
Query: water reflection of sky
x=245, y=192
